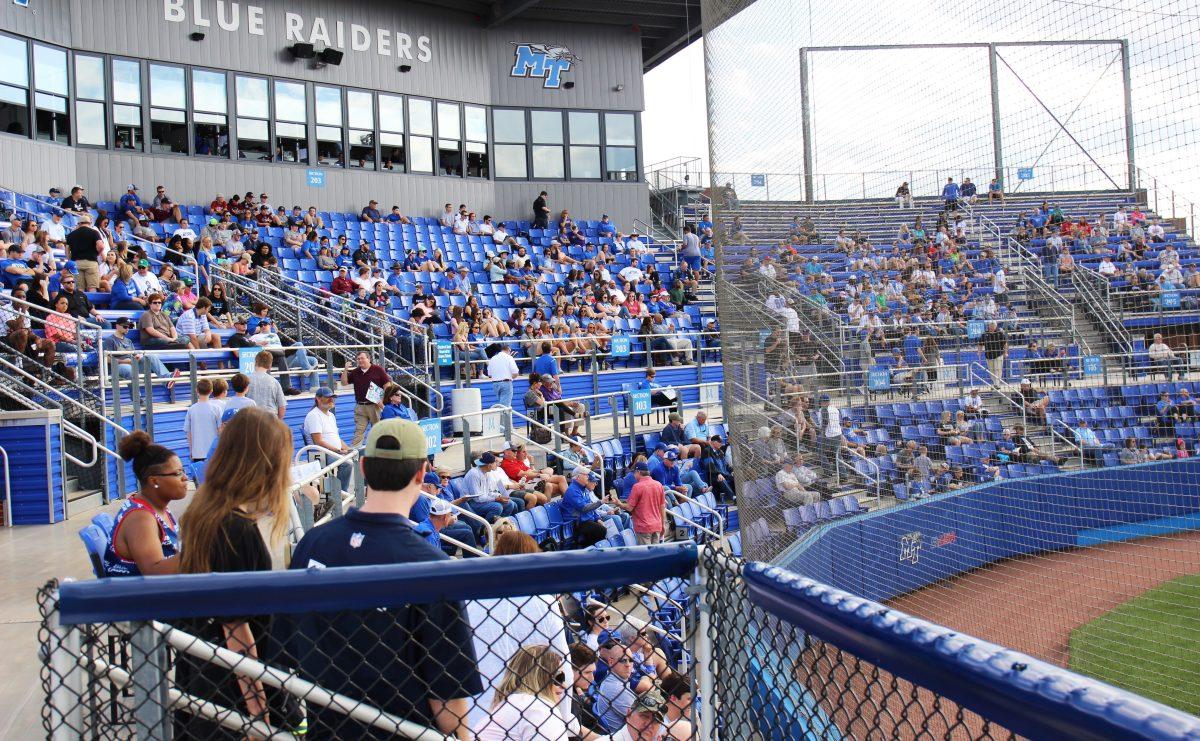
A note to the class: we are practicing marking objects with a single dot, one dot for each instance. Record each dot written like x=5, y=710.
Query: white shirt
x=785, y=479
x=524, y=717
x=1120, y=217
x=147, y=284
x=461, y=223
x=833, y=421
x=635, y=246
x=791, y=318
x=325, y=424
x=188, y=233
x=499, y=628
x=631, y=274
x=500, y=236
x=502, y=367
x=1107, y=267
x=1156, y=230
x=57, y=232
x=1160, y=351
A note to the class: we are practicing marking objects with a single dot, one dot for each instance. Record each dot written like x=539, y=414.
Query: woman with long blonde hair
x=534, y=682
x=245, y=494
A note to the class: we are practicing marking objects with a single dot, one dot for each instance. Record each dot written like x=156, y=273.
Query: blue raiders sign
x=910, y=548
x=547, y=61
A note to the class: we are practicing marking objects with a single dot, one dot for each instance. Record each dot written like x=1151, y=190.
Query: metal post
x=149, y=660
x=1127, y=85
x=135, y=398
x=997, y=148
x=360, y=487
x=806, y=127
x=64, y=708
x=118, y=417
x=468, y=461
x=632, y=422
x=592, y=402
x=148, y=393
x=330, y=371
x=193, y=371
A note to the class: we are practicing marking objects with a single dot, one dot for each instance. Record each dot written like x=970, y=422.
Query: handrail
x=491, y=537
x=1173, y=196
x=1098, y=303
x=557, y=434
x=15, y=369
x=996, y=385
x=720, y=519
x=677, y=515
x=877, y=480
x=1069, y=440
x=87, y=439
x=8, y=514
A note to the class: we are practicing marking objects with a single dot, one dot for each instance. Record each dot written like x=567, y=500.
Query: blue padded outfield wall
x=885, y=554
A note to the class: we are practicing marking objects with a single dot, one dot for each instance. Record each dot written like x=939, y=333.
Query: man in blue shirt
x=950, y=194
x=665, y=469
x=416, y=663
x=449, y=285
x=605, y=228
x=370, y=212
x=131, y=207
x=546, y=364
x=697, y=432
x=579, y=504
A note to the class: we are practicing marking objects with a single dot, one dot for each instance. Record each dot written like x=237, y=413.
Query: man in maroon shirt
x=368, y=380
x=342, y=285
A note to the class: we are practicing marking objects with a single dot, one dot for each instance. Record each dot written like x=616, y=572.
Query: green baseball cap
x=409, y=435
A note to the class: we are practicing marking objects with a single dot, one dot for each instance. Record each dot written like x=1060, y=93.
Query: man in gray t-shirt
x=264, y=390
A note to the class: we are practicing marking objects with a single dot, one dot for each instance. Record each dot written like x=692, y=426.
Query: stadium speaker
x=196, y=36
x=332, y=56
x=303, y=51
x=405, y=67
x=568, y=85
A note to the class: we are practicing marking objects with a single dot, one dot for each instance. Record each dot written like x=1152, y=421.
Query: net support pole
x=997, y=146
x=1127, y=88
x=806, y=126
x=149, y=661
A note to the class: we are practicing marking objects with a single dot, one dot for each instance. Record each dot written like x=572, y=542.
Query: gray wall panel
x=35, y=167
x=468, y=63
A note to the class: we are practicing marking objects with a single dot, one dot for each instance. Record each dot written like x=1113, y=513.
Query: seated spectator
x=518, y=467
x=1128, y=454
x=61, y=329
x=395, y=404
x=1034, y=402
x=145, y=535
x=119, y=341
x=789, y=486
x=675, y=437
x=155, y=328
x=193, y=327
x=1163, y=358
x=1089, y=443
x=527, y=699
x=486, y=494
x=995, y=191
x=78, y=304
x=614, y=698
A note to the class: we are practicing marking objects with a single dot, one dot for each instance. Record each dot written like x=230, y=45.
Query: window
x=620, y=154
x=547, y=129
x=127, y=104
x=391, y=133
x=253, y=139
x=52, y=121
x=420, y=141
x=329, y=125
x=168, y=106
x=360, y=112
x=90, y=127
x=475, y=128
x=508, y=130
x=584, y=128
x=291, y=119
x=14, y=86
x=450, y=159
x=210, y=113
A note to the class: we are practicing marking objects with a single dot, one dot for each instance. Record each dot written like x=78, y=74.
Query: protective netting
x=799, y=686
x=1006, y=370
x=544, y=666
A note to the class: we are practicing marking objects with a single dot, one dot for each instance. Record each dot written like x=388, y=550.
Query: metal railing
x=1158, y=196
x=8, y=512
x=1095, y=291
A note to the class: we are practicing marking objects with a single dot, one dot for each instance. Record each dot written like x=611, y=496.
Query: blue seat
x=105, y=522
x=95, y=541
x=525, y=522
x=850, y=505
x=541, y=522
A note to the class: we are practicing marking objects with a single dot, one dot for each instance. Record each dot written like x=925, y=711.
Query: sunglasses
x=603, y=619
x=152, y=303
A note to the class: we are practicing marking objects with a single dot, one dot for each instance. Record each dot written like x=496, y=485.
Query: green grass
x=1149, y=645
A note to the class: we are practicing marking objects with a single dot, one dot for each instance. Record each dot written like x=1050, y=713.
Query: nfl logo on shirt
x=356, y=540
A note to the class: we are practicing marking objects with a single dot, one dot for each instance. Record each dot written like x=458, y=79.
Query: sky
x=674, y=122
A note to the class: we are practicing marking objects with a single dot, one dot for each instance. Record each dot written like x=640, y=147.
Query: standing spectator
x=994, y=344
x=201, y=421
x=647, y=504
x=829, y=432
x=242, y=498
x=904, y=197
x=541, y=211
x=691, y=248
x=145, y=536
x=950, y=193
x=320, y=427
x=84, y=245
x=502, y=369
x=368, y=380
x=415, y=662
x=264, y=390
x=1162, y=357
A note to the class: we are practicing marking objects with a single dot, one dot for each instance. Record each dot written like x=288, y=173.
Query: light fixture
x=405, y=68
x=302, y=51
x=618, y=87
x=196, y=36
x=568, y=85
x=332, y=56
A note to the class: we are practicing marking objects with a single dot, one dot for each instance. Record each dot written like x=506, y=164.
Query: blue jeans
x=693, y=481
x=302, y=361
x=504, y=397
x=1050, y=272
x=461, y=532
x=487, y=510
x=343, y=474
x=125, y=370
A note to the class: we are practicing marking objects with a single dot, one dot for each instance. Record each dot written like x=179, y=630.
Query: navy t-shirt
x=394, y=659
